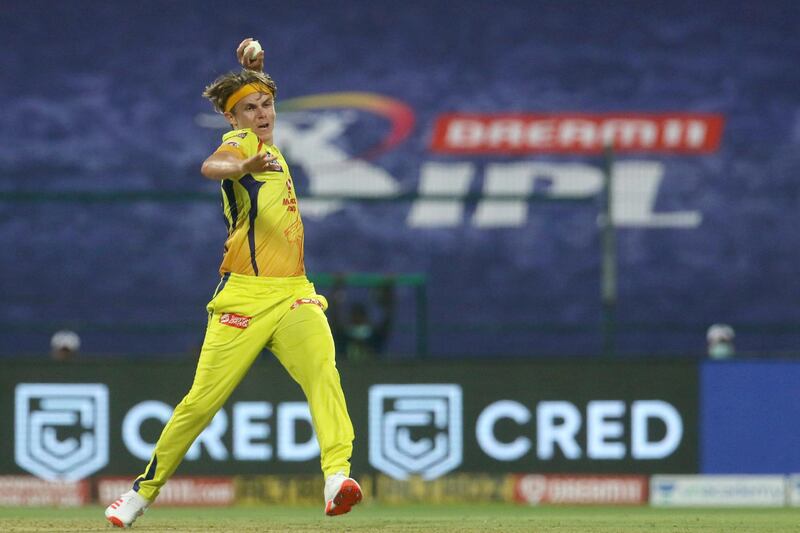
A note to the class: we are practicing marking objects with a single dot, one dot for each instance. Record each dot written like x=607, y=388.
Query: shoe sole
x=116, y=522
x=349, y=495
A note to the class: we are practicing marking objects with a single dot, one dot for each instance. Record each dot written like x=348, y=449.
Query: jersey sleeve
x=244, y=143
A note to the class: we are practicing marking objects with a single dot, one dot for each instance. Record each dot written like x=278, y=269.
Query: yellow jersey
x=265, y=232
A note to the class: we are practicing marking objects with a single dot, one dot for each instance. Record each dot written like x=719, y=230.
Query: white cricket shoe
x=341, y=494
x=125, y=511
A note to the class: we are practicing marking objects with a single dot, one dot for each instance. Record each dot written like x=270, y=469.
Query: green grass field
x=416, y=518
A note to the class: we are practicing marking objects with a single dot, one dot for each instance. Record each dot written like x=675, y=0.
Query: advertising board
x=718, y=491
x=412, y=419
x=554, y=489
x=746, y=417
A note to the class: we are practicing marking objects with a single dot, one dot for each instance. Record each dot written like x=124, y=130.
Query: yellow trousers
x=247, y=314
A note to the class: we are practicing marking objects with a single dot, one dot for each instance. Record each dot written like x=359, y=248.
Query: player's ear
x=230, y=118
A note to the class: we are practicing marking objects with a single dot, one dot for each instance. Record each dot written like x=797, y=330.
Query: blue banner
x=748, y=417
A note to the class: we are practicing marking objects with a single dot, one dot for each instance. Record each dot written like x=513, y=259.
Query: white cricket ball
x=252, y=50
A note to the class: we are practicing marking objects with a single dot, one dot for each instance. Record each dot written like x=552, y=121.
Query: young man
x=263, y=300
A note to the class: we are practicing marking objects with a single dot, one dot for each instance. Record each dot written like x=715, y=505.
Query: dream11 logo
x=61, y=430
x=415, y=429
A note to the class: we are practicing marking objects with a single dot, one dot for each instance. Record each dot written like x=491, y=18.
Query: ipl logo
x=415, y=429
x=61, y=430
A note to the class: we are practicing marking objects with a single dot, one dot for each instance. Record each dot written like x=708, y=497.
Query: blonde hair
x=223, y=87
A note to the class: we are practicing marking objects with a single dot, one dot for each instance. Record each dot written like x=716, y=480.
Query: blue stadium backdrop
x=385, y=99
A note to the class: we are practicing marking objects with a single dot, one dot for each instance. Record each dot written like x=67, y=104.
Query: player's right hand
x=256, y=63
x=258, y=163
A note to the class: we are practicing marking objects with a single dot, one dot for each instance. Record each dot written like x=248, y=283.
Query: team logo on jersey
x=241, y=135
x=234, y=320
x=61, y=430
x=415, y=429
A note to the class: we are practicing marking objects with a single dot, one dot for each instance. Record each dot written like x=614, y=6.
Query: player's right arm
x=256, y=63
x=228, y=164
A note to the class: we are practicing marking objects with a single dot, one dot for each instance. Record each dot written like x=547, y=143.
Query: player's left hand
x=256, y=63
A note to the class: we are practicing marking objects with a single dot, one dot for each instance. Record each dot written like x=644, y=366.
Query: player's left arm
x=224, y=164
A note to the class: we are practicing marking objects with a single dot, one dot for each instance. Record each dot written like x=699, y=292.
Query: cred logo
x=61, y=430
x=415, y=429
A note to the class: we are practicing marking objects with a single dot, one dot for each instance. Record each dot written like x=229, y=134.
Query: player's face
x=257, y=112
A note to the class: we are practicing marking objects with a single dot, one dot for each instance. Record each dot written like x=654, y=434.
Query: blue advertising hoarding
x=750, y=417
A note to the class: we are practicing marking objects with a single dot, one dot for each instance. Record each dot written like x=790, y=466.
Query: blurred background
x=517, y=182
x=109, y=229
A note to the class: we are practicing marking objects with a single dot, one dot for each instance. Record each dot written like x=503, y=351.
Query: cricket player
x=263, y=299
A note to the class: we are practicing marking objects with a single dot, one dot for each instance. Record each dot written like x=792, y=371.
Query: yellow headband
x=244, y=90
